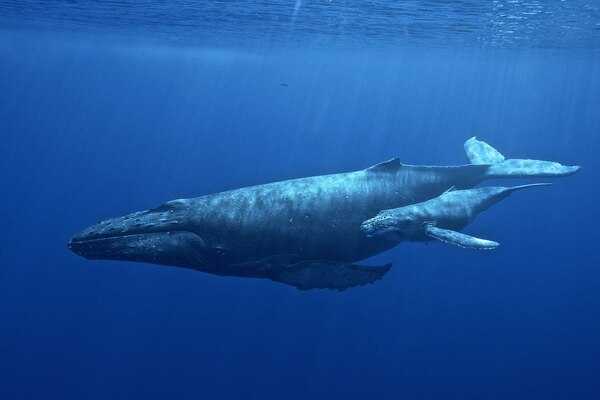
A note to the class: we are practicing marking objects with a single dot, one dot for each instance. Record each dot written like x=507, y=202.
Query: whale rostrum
x=308, y=232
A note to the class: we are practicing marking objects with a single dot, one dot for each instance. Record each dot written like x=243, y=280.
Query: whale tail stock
x=481, y=153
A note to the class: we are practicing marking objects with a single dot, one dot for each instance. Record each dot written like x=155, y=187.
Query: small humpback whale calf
x=311, y=232
x=441, y=217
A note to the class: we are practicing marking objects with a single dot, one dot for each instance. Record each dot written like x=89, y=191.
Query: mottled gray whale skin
x=441, y=217
x=315, y=218
x=304, y=232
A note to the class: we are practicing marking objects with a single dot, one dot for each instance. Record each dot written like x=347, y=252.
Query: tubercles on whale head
x=162, y=235
x=393, y=224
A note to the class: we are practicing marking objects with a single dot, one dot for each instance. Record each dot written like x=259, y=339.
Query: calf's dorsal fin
x=450, y=189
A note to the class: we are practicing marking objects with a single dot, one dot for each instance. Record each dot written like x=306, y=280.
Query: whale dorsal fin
x=391, y=165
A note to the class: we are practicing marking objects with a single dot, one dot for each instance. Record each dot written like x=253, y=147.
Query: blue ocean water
x=112, y=107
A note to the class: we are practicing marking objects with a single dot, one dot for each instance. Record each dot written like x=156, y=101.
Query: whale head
x=396, y=223
x=161, y=236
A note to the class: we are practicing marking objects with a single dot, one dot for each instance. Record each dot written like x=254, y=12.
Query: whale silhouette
x=303, y=232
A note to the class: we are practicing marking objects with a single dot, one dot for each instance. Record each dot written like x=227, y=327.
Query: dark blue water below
x=94, y=128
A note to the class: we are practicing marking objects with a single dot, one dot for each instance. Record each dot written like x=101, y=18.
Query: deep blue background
x=92, y=130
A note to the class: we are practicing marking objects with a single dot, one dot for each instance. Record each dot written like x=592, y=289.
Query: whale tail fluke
x=481, y=153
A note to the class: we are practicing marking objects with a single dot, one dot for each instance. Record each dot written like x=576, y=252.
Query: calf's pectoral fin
x=460, y=239
x=328, y=275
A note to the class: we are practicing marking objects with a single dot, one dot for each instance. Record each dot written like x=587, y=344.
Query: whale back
x=318, y=217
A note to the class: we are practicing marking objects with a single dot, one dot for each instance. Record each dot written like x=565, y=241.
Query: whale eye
x=401, y=222
x=409, y=221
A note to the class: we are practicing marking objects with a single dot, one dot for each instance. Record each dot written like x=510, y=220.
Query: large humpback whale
x=303, y=232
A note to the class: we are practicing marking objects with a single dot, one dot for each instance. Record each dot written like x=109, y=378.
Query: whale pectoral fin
x=460, y=239
x=328, y=275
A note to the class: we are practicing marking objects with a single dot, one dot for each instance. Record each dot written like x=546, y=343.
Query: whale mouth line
x=98, y=246
x=98, y=232
x=98, y=239
x=130, y=245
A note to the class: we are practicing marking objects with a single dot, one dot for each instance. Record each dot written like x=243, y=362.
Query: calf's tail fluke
x=481, y=153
